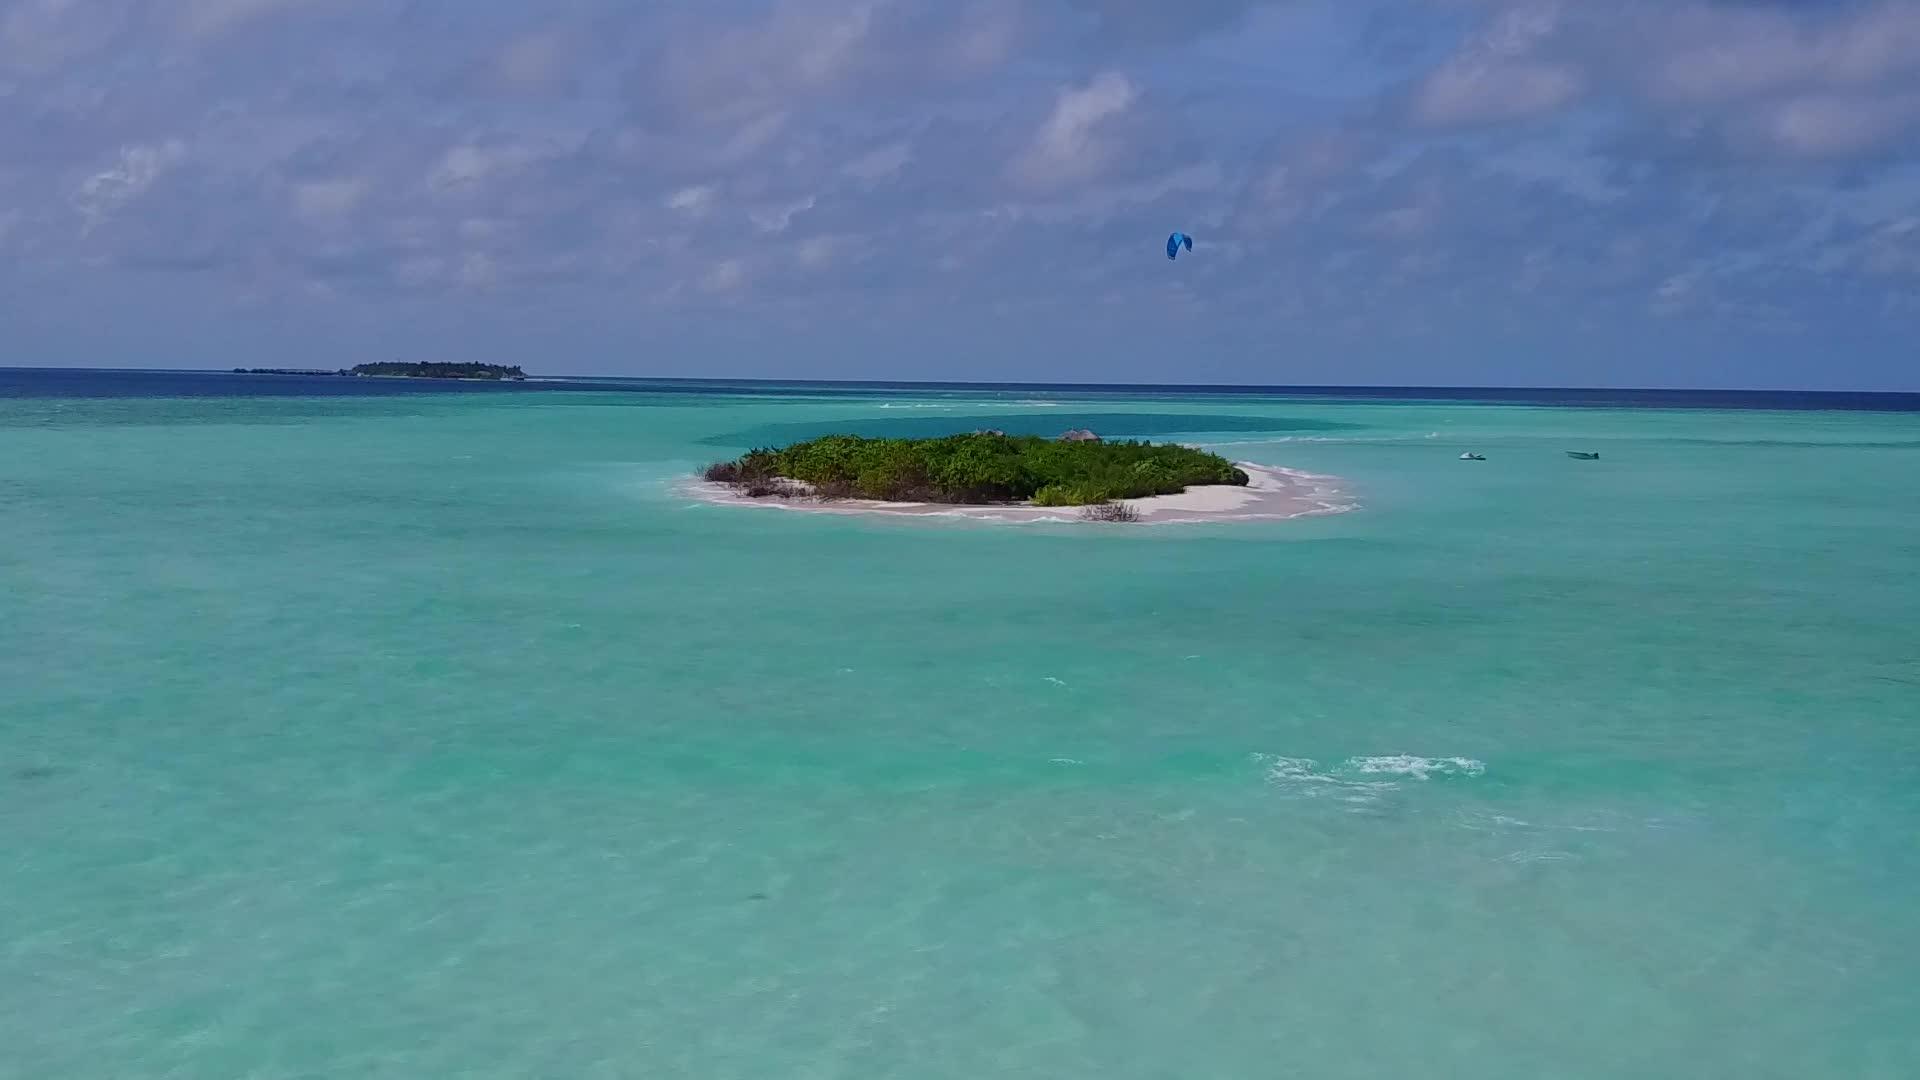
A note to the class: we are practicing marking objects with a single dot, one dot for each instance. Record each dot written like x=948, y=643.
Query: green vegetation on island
x=981, y=468
x=428, y=370
x=424, y=370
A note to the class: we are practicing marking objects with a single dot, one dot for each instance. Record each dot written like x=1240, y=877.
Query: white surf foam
x=1023, y=403
x=1272, y=494
x=1420, y=768
x=1361, y=781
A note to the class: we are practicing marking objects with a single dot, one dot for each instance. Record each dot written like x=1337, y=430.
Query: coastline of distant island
x=994, y=476
x=398, y=370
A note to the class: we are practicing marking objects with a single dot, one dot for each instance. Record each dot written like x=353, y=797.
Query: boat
x=1471, y=456
x=1583, y=455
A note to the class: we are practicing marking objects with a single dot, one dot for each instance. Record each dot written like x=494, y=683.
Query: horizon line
x=1057, y=385
x=961, y=383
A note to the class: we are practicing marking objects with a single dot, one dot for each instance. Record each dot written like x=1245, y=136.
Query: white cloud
x=692, y=201
x=1894, y=249
x=1703, y=54
x=532, y=59
x=477, y=270
x=1804, y=81
x=340, y=146
x=1677, y=292
x=822, y=55
x=420, y=270
x=1108, y=200
x=41, y=35
x=751, y=66
x=817, y=251
x=986, y=35
x=726, y=276
x=204, y=17
x=881, y=164
x=1070, y=147
x=775, y=219
x=473, y=164
x=480, y=229
x=1497, y=77
x=1403, y=221
x=462, y=165
x=1304, y=176
x=1831, y=125
x=103, y=193
x=324, y=199
x=753, y=136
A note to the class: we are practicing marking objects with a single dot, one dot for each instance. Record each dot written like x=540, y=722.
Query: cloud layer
x=1683, y=192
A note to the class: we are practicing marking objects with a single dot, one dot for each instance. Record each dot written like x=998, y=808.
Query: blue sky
x=1634, y=192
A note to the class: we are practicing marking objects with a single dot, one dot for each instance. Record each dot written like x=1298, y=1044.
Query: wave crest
x=1418, y=767
x=1362, y=780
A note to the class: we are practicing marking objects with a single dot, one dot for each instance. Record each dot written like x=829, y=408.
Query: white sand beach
x=1272, y=494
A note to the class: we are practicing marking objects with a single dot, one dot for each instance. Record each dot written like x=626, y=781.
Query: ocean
x=367, y=728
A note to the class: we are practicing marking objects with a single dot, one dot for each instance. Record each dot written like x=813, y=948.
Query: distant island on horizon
x=398, y=370
x=1078, y=469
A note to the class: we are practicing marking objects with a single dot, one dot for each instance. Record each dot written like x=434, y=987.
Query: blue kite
x=1176, y=242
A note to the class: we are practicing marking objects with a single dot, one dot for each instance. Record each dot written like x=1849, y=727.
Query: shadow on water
x=1049, y=422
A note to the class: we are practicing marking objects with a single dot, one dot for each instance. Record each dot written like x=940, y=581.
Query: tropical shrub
x=1110, y=511
x=984, y=467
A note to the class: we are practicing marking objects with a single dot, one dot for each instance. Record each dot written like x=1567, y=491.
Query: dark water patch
x=1043, y=422
x=91, y=383
x=104, y=382
x=75, y=398
x=109, y=412
x=62, y=398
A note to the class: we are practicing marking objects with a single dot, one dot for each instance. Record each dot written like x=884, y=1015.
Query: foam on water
x=1360, y=781
x=1420, y=768
x=1276, y=494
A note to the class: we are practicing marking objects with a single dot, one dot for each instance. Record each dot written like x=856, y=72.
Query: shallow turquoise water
x=438, y=736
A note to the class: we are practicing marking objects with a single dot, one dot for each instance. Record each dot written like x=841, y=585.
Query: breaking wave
x=1361, y=780
x=1419, y=768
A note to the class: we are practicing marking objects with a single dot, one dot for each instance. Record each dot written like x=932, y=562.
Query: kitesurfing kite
x=1176, y=242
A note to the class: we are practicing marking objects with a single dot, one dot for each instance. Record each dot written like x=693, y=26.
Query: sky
x=1714, y=193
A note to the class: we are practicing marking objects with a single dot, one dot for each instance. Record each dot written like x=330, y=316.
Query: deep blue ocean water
x=99, y=382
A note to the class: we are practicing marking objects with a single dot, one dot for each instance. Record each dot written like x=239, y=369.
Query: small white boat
x=1471, y=456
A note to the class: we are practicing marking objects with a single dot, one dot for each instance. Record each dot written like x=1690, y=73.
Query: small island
x=985, y=468
x=398, y=370
x=429, y=370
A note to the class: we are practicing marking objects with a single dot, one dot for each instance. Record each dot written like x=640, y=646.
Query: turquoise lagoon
x=440, y=734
